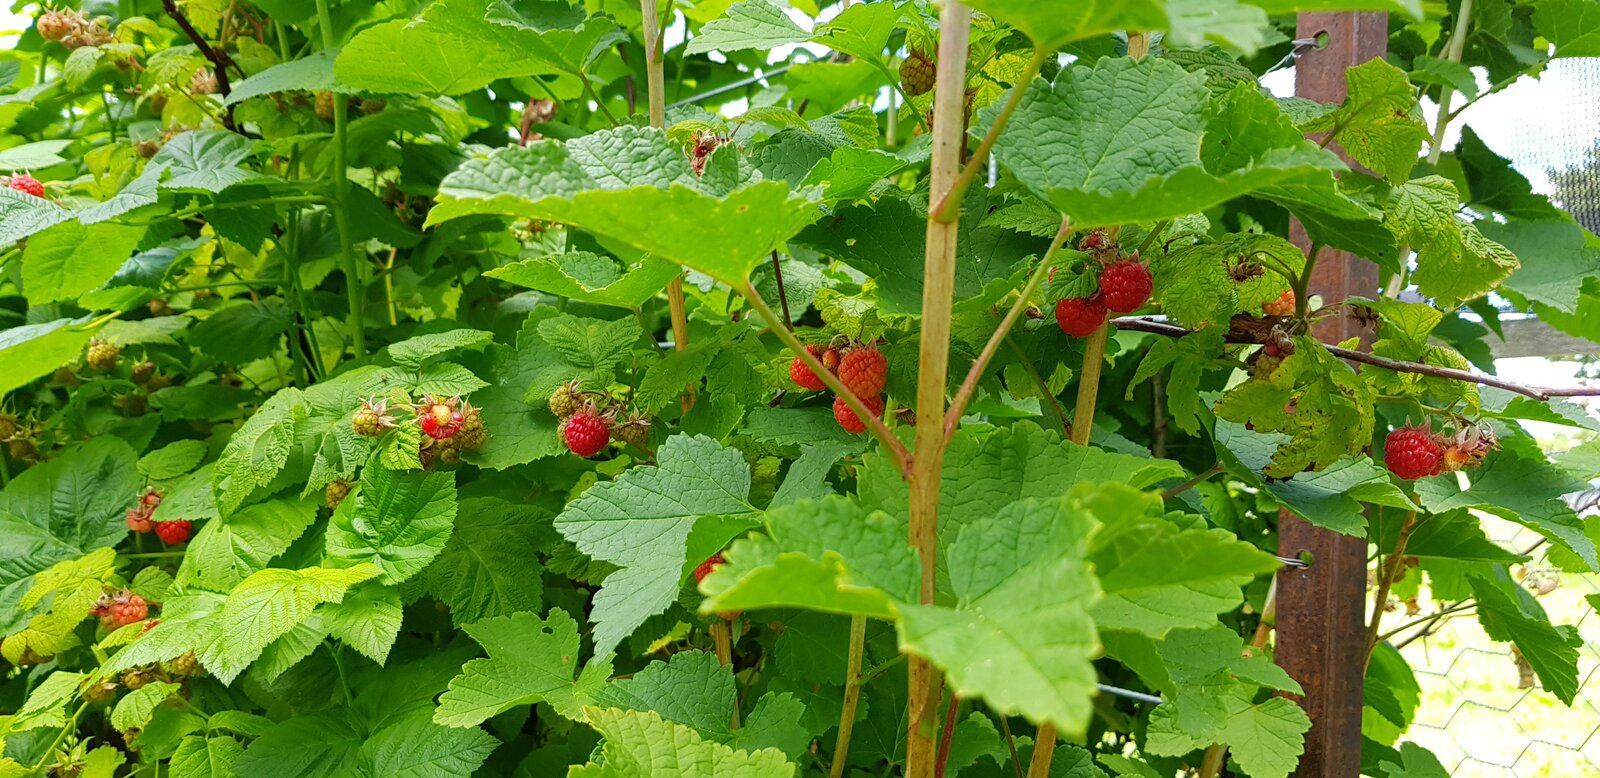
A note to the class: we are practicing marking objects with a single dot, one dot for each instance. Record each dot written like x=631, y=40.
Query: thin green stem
x=1453, y=52
x=949, y=208
x=71, y=725
x=338, y=662
x=155, y=555
x=1062, y=422
x=852, y=695
x=355, y=289
x=875, y=425
x=1150, y=239
x=1302, y=297
x=1192, y=482
x=1024, y=299
x=588, y=88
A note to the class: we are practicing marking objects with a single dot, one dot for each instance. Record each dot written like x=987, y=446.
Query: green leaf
x=38, y=154
x=591, y=344
x=1494, y=184
x=807, y=477
x=78, y=497
x=1446, y=73
x=1157, y=576
x=1455, y=263
x=458, y=46
x=1521, y=489
x=1380, y=124
x=205, y=757
x=1053, y=27
x=227, y=550
x=172, y=460
x=207, y=161
x=1417, y=762
x=398, y=521
x=634, y=186
x=584, y=276
x=23, y=214
x=311, y=73
x=831, y=556
x=752, y=24
x=46, y=702
x=641, y=523
x=884, y=241
x=1020, y=634
x=1196, y=286
x=861, y=31
x=643, y=745
x=530, y=660
x=1316, y=399
x=692, y=688
x=243, y=332
x=70, y=259
x=1332, y=498
x=258, y=450
x=1004, y=465
x=1129, y=141
x=1266, y=739
x=485, y=569
x=851, y=173
x=314, y=744
x=35, y=350
x=133, y=710
x=412, y=352
x=1554, y=253
x=262, y=608
x=1510, y=613
x=1195, y=669
x=367, y=620
x=1572, y=25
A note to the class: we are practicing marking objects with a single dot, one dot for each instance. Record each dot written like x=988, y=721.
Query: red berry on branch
x=864, y=370
x=1125, y=285
x=139, y=521
x=705, y=568
x=586, y=432
x=848, y=419
x=174, y=532
x=802, y=375
x=1080, y=316
x=830, y=359
x=26, y=184
x=1412, y=453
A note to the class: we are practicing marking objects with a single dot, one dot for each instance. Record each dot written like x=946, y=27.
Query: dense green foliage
x=307, y=307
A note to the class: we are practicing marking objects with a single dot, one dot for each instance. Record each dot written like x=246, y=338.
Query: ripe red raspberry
x=849, y=420
x=26, y=184
x=917, y=73
x=1094, y=241
x=174, y=532
x=124, y=609
x=705, y=568
x=1412, y=453
x=1125, y=285
x=586, y=432
x=1283, y=306
x=802, y=375
x=1080, y=316
x=864, y=370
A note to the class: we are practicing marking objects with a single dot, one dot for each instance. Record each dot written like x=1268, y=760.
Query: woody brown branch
x=1247, y=334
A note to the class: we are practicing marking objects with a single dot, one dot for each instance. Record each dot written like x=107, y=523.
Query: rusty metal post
x=1321, y=610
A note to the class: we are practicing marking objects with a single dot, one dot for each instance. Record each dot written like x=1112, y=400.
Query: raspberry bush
x=465, y=388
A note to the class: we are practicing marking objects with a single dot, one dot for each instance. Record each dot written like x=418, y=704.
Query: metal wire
x=1118, y=691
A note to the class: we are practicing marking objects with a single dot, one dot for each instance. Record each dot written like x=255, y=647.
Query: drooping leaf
x=642, y=520
x=530, y=660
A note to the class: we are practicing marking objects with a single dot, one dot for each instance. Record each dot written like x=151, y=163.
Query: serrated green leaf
x=227, y=550
x=1020, y=634
x=530, y=660
x=831, y=556
x=206, y=161
x=133, y=710
x=46, y=703
x=1554, y=253
x=398, y=521
x=172, y=460
x=1123, y=141
x=1266, y=739
x=643, y=745
x=70, y=259
x=634, y=186
x=485, y=569
x=311, y=73
x=205, y=757
x=1521, y=489
x=1380, y=124
x=23, y=214
x=1510, y=613
x=642, y=520
x=262, y=608
x=584, y=276
x=38, y=154
x=258, y=450
x=1572, y=25
x=412, y=352
x=752, y=24
x=1455, y=263
x=38, y=349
